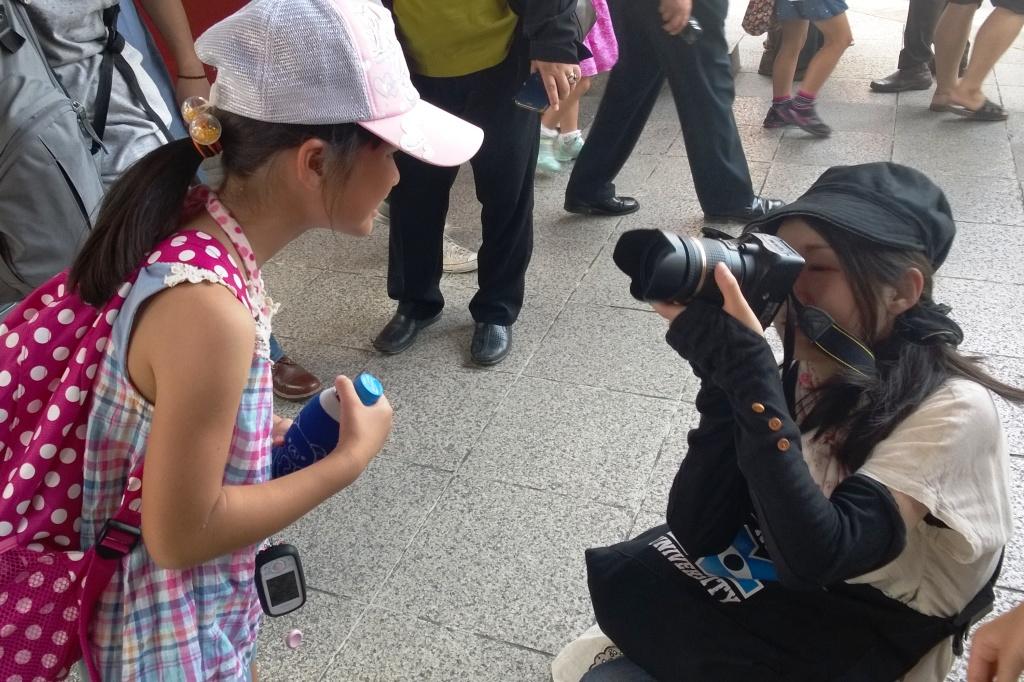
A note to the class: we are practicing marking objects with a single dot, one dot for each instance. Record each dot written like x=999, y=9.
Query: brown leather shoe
x=292, y=381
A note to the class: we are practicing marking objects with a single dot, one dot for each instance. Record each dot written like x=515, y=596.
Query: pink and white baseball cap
x=323, y=62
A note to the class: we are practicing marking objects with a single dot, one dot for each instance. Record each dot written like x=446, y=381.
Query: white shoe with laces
x=455, y=257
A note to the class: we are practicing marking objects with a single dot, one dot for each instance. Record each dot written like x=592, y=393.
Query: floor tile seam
x=603, y=388
x=893, y=130
x=344, y=642
x=988, y=224
x=1009, y=588
x=573, y=496
x=1000, y=356
x=324, y=272
x=378, y=592
x=940, y=277
x=1008, y=175
x=613, y=390
x=398, y=459
x=1017, y=153
x=320, y=272
x=980, y=279
x=459, y=630
x=657, y=461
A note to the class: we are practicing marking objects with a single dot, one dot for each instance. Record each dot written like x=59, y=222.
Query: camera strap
x=831, y=339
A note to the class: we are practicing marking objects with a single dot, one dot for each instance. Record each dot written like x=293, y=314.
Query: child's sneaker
x=546, y=160
x=569, y=146
x=773, y=119
x=806, y=118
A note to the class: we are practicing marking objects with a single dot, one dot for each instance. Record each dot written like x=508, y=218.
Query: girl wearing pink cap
x=164, y=412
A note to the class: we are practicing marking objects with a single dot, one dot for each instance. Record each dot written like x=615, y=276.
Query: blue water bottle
x=315, y=430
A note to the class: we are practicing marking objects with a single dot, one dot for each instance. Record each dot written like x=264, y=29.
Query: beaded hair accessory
x=203, y=126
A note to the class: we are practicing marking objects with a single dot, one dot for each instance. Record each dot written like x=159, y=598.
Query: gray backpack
x=50, y=186
x=49, y=180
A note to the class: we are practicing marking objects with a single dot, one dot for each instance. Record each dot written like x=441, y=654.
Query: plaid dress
x=151, y=623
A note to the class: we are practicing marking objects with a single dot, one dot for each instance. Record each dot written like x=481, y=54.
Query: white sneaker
x=457, y=258
x=568, y=146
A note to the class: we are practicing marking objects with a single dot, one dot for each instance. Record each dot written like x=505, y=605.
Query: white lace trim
x=183, y=272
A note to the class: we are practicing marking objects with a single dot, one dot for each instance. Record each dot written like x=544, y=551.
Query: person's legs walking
x=994, y=38
x=913, y=71
x=922, y=16
x=951, y=36
x=803, y=110
x=632, y=89
x=792, y=35
x=916, y=65
x=703, y=90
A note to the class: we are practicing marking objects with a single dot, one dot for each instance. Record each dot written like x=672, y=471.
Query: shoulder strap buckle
x=117, y=539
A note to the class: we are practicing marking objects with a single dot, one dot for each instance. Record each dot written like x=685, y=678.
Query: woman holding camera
x=842, y=519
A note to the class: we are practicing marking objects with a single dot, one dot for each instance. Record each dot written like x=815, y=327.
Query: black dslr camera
x=664, y=266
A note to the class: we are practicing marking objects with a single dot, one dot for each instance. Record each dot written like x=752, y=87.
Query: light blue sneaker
x=569, y=146
x=546, y=161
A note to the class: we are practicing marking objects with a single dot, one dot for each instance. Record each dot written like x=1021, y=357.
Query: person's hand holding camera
x=733, y=301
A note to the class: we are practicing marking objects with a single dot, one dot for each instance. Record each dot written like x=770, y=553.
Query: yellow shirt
x=447, y=38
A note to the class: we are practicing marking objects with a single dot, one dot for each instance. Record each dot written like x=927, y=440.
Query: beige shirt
x=951, y=456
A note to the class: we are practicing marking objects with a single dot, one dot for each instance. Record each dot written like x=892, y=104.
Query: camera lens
x=663, y=266
x=688, y=271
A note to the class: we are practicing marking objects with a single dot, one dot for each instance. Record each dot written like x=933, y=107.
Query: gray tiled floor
x=459, y=554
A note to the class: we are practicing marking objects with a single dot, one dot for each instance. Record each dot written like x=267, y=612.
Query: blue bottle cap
x=368, y=388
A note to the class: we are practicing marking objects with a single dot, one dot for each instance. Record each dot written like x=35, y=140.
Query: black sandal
x=989, y=111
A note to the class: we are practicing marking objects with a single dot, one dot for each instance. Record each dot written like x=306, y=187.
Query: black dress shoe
x=758, y=209
x=609, y=206
x=491, y=343
x=400, y=331
x=901, y=80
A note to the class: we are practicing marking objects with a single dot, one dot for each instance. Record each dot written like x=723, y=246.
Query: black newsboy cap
x=885, y=203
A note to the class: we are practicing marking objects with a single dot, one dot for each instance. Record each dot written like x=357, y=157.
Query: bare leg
x=994, y=38
x=838, y=37
x=951, y=35
x=252, y=672
x=793, y=35
x=549, y=119
x=567, y=118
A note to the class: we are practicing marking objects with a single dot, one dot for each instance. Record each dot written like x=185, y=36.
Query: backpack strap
x=112, y=57
x=119, y=536
x=10, y=39
x=976, y=609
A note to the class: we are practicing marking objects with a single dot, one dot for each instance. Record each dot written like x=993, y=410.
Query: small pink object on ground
x=294, y=639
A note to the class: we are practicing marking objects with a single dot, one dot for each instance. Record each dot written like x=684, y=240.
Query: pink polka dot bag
x=50, y=350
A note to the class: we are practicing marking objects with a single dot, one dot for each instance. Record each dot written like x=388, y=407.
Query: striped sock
x=782, y=99
x=804, y=100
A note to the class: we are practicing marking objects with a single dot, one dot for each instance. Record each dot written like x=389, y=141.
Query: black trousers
x=503, y=170
x=922, y=16
x=703, y=89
